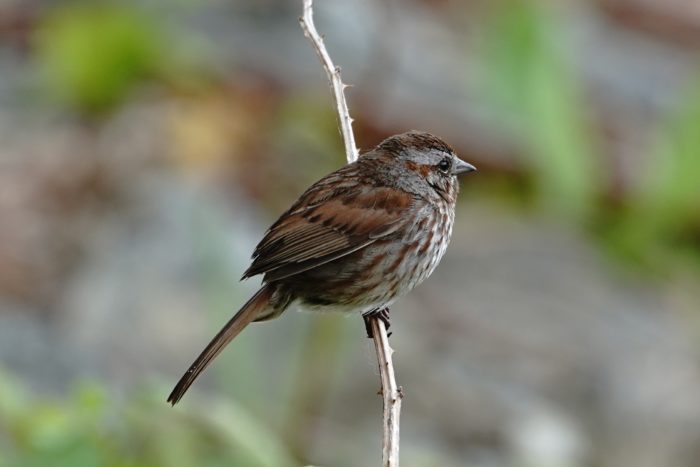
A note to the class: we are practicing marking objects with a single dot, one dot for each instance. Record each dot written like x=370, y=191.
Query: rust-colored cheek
x=424, y=170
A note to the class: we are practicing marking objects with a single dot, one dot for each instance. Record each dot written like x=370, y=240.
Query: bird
x=355, y=241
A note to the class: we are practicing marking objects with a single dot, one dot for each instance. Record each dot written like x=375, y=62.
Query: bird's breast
x=378, y=274
x=406, y=263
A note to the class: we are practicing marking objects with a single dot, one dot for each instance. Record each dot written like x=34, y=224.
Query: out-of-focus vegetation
x=660, y=223
x=530, y=79
x=90, y=428
x=93, y=55
x=654, y=221
x=150, y=149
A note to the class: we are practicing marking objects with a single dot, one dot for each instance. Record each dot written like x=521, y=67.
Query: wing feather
x=322, y=227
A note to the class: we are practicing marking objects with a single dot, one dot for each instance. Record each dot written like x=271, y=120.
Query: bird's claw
x=383, y=315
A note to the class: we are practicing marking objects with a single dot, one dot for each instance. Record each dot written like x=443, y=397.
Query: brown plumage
x=356, y=240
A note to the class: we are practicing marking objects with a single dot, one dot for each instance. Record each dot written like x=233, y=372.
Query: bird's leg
x=382, y=314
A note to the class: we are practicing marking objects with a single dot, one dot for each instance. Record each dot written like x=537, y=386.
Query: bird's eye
x=445, y=164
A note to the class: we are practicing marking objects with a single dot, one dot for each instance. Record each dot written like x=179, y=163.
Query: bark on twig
x=391, y=393
x=333, y=73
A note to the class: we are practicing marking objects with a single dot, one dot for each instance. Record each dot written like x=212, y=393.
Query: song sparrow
x=357, y=240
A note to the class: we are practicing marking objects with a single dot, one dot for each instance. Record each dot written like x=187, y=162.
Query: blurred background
x=145, y=146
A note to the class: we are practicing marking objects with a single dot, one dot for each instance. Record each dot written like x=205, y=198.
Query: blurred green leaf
x=670, y=195
x=257, y=445
x=93, y=55
x=90, y=428
x=533, y=84
x=661, y=225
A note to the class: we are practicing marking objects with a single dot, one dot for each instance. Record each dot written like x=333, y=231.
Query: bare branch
x=333, y=73
x=391, y=393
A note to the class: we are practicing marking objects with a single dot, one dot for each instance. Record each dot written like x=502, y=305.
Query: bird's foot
x=382, y=314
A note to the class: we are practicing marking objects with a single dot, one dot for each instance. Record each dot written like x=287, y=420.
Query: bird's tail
x=250, y=311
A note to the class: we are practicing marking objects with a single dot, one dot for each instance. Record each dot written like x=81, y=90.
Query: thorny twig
x=391, y=392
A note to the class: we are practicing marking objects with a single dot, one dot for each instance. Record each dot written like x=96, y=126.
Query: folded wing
x=326, y=224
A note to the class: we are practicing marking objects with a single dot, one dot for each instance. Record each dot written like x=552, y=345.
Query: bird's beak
x=461, y=167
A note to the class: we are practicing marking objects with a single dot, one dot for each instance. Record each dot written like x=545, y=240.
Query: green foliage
x=93, y=55
x=662, y=223
x=534, y=85
x=670, y=195
x=90, y=428
x=530, y=81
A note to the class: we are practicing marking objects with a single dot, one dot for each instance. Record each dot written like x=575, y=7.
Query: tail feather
x=249, y=312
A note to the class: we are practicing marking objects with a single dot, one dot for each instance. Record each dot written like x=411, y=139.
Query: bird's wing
x=329, y=221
